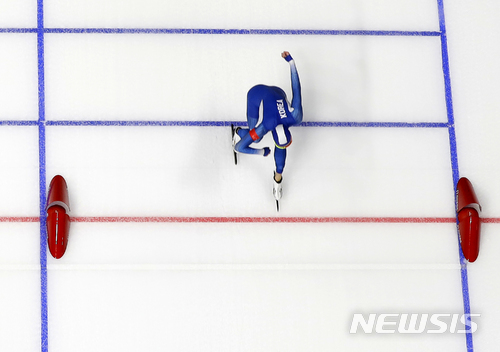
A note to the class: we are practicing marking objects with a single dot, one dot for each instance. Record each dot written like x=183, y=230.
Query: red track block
x=58, y=193
x=469, y=223
x=57, y=230
x=57, y=218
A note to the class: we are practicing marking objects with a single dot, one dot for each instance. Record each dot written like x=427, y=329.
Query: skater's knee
x=243, y=144
x=242, y=132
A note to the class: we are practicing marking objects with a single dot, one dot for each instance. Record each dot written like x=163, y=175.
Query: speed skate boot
x=277, y=190
x=236, y=137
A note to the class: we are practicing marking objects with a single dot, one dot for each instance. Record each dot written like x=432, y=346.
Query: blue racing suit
x=278, y=115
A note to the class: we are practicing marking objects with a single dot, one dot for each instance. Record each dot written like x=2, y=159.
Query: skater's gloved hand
x=286, y=55
x=267, y=151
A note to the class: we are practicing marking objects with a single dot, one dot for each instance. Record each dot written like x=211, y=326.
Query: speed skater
x=278, y=116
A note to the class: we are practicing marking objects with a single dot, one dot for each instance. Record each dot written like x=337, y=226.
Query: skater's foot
x=236, y=137
x=277, y=190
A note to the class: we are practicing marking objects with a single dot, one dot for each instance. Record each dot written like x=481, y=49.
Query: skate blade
x=233, y=131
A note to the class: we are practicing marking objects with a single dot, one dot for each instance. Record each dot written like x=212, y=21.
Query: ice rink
x=173, y=247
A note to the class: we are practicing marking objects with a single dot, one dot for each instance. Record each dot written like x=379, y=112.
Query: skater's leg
x=242, y=132
x=254, y=133
x=249, y=137
x=254, y=98
x=279, y=159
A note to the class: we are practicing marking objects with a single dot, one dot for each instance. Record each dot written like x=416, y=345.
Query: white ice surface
x=228, y=14
x=474, y=46
x=236, y=287
x=189, y=171
x=20, y=287
x=19, y=171
x=18, y=14
x=207, y=77
x=242, y=286
x=18, y=73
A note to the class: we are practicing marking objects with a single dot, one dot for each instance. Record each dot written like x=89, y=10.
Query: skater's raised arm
x=296, y=90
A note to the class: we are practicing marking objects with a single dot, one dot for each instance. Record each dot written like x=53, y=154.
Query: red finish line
x=19, y=219
x=264, y=219
x=219, y=219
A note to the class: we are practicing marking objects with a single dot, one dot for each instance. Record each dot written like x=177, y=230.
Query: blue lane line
x=18, y=123
x=243, y=123
x=18, y=30
x=377, y=124
x=42, y=175
x=43, y=242
x=223, y=31
x=454, y=161
x=239, y=31
x=141, y=123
